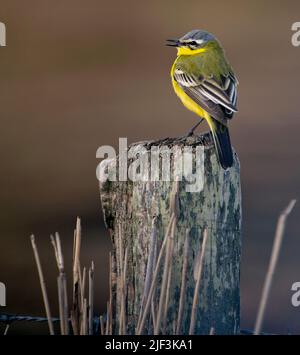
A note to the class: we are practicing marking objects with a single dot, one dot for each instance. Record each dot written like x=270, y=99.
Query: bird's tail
x=222, y=142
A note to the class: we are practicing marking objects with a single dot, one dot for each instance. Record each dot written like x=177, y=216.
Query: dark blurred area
x=79, y=74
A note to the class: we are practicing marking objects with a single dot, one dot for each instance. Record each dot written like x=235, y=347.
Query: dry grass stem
x=124, y=291
x=198, y=282
x=77, y=248
x=77, y=289
x=82, y=287
x=102, y=328
x=150, y=262
x=6, y=329
x=272, y=266
x=61, y=305
x=91, y=298
x=120, y=280
x=61, y=285
x=43, y=285
x=83, y=326
x=82, y=311
x=183, y=282
x=108, y=317
x=169, y=277
x=154, y=279
x=153, y=313
x=109, y=310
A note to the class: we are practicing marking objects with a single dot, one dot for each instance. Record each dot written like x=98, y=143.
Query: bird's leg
x=191, y=131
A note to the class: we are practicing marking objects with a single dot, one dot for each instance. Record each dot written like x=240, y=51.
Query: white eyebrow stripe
x=198, y=41
x=195, y=40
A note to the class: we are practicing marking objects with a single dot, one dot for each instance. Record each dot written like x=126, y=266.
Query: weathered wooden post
x=164, y=280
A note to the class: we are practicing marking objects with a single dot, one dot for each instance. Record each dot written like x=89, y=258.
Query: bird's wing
x=217, y=98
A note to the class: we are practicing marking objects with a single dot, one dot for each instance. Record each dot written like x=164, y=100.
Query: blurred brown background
x=79, y=74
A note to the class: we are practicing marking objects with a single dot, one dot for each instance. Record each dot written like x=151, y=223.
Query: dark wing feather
x=209, y=106
x=218, y=99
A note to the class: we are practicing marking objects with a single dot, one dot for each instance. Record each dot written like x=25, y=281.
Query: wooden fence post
x=163, y=279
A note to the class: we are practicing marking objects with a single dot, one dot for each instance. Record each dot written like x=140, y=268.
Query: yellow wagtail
x=205, y=82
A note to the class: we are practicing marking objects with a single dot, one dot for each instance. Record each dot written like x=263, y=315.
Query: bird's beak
x=173, y=43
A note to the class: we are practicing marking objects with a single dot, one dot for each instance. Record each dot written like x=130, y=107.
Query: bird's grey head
x=193, y=39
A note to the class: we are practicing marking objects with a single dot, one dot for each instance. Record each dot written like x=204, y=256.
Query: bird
x=206, y=84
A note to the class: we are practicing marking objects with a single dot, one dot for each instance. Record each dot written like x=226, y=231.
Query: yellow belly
x=187, y=101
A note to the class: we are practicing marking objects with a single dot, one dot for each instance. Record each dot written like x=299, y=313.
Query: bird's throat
x=188, y=51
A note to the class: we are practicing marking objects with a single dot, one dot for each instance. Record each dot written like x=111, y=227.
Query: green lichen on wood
x=129, y=209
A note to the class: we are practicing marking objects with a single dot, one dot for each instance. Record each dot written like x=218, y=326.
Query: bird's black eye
x=193, y=43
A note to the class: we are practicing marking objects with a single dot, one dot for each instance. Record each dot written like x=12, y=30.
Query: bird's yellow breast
x=185, y=99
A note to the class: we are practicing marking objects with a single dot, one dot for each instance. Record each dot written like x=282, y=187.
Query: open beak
x=173, y=43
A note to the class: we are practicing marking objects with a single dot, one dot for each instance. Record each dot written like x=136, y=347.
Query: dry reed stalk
x=6, y=329
x=150, y=262
x=82, y=287
x=60, y=257
x=61, y=305
x=150, y=269
x=124, y=293
x=84, y=320
x=153, y=314
x=81, y=283
x=77, y=248
x=81, y=296
x=66, y=307
x=183, y=282
x=53, y=242
x=174, y=202
x=169, y=278
x=74, y=321
x=121, y=280
x=198, y=281
x=59, y=288
x=144, y=315
x=91, y=298
x=102, y=327
x=62, y=285
x=85, y=317
x=74, y=244
x=163, y=289
x=75, y=313
x=43, y=284
x=272, y=265
x=149, y=297
x=109, y=311
x=82, y=309
x=122, y=310
x=167, y=298
x=121, y=255
x=153, y=308
x=108, y=317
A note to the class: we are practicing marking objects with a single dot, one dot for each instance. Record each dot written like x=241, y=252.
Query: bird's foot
x=191, y=131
